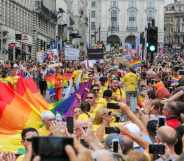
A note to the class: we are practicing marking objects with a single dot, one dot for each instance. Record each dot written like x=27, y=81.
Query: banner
x=49, y=55
x=40, y=57
x=95, y=54
x=72, y=53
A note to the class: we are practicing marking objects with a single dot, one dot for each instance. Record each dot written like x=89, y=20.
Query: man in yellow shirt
x=131, y=82
x=118, y=93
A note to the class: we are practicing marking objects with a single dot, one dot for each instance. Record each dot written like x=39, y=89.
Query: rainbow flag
x=67, y=106
x=28, y=90
x=50, y=79
x=135, y=63
x=19, y=108
x=16, y=112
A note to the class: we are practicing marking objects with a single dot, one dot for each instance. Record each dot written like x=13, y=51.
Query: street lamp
x=1, y=35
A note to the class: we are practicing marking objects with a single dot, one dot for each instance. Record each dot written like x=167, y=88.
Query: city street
x=91, y=80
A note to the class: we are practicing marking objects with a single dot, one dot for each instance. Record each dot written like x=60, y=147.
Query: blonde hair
x=99, y=116
x=138, y=156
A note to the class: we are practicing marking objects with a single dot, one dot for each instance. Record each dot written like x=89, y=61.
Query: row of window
x=131, y=3
x=20, y=19
x=16, y=17
x=45, y=27
x=178, y=8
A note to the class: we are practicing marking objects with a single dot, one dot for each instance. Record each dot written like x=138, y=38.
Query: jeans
x=131, y=98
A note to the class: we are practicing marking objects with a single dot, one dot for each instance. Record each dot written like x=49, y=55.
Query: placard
x=95, y=54
x=72, y=54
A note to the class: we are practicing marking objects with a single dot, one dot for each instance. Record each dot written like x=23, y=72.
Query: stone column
x=83, y=26
x=34, y=36
x=69, y=4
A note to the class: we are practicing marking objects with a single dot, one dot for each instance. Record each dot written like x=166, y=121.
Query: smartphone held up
x=51, y=148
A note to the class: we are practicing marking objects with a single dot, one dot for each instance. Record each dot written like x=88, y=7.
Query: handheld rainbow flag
x=67, y=106
x=135, y=63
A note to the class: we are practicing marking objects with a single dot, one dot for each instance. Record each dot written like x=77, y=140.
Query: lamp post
x=69, y=4
x=59, y=19
x=99, y=30
x=1, y=36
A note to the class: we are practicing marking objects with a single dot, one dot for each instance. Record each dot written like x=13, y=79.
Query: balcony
x=44, y=11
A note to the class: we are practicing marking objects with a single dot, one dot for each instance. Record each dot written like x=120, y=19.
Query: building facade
x=44, y=24
x=120, y=21
x=23, y=29
x=73, y=22
x=174, y=24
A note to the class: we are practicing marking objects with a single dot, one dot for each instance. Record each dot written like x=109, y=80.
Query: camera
x=111, y=130
x=158, y=149
x=51, y=148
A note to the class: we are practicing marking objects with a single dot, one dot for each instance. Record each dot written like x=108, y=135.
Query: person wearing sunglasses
x=91, y=99
x=95, y=89
x=103, y=119
x=96, y=103
x=85, y=112
x=26, y=136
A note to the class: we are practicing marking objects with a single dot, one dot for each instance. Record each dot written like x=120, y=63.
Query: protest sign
x=95, y=54
x=72, y=53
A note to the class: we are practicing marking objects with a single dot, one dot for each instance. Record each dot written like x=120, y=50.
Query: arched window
x=150, y=10
x=132, y=15
x=114, y=16
x=132, y=3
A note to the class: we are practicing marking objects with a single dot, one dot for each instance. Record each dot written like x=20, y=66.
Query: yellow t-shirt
x=102, y=89
x=101, y=101
x=120, y=93
x=130, y=81
x=43, y=131
x=20, y=158
x=83, y=117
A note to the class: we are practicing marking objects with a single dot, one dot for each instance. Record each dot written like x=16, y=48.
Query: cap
x=47, y=115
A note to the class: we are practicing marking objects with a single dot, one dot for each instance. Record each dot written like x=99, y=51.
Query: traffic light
x=152, y=39
x=18, y=37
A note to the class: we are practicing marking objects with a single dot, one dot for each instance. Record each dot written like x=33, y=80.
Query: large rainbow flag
x=22, y=104
x=20, y=107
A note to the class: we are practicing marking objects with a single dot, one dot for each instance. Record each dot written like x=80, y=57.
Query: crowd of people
x=129, y=114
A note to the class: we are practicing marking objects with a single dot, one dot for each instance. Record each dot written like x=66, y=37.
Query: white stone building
x=119, y=21
x=174, y=24
x=35, y=20
x=73, y=22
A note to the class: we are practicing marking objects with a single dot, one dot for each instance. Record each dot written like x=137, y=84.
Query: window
x=132, y=14
x=114, y=3
x=93, y=14
x=114, y=13
x=114, y=19
x=132, y=18
x=93, y=26
x=93, y=4
x=151, y=4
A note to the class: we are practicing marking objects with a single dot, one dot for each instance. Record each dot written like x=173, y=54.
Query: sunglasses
x=28, y=139
x=108, y=113
x=85, y=128
x=89, y=97
x=96, y=89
